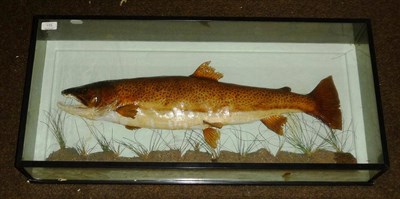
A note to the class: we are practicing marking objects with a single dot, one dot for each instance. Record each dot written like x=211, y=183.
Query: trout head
x=91, y=100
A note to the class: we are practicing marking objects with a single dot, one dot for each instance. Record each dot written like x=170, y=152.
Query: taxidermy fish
x=199, y=101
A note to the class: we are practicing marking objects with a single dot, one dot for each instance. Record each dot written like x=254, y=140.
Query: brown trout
x=199, y=101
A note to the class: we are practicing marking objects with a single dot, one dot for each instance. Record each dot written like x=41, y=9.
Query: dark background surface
x=15, y=28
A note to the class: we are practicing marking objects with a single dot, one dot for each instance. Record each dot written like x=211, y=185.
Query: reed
x=142, y=150
x=55, y=123
x=81, y=145
x=337, y=140
x=244, y=142
x=301, y=134
x=106, y=145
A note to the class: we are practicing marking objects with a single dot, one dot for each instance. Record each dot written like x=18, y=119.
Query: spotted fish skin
x=202, y=95
x=199, y=100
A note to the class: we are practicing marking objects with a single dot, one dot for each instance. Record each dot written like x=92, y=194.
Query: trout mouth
x=73, y=101
x=75, y=106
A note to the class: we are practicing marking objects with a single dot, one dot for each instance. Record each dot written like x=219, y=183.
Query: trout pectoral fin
x=131, y=127
x=275, y=123
x=214, y=124
x=206, y=71
x=128, y=111
x=211, y=136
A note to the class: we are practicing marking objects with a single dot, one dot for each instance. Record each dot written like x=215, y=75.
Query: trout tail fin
x=327, y=103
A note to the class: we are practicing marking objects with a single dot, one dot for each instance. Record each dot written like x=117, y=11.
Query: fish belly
x=178, y=119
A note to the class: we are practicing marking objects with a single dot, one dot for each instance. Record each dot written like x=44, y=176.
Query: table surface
x=15, y=23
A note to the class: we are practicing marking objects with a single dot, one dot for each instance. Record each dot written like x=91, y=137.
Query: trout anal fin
x=207, y=72
x=215, y=124
x=128, y=111
x=275, y=123
x=211, y=136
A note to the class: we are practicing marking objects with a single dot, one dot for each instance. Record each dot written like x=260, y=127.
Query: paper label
x=49, y=25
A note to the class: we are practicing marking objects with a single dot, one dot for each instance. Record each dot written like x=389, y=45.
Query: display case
x=201, y=100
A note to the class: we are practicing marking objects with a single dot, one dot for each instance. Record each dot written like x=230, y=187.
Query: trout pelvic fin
x=131, y=127
x=207, y=72
x=275, y=123
x=327, y=102
x=215, y=124
x=211, y=136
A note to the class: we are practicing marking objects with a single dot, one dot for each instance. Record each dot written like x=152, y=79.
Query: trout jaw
x=87, y=97
x=80, y=108
x=77, y=109
x=90, y=113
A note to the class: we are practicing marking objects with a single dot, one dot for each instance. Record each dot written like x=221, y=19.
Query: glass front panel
x=147, y=91
x=200, y=176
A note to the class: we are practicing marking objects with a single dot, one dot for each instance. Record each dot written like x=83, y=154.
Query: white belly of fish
x=178, y=119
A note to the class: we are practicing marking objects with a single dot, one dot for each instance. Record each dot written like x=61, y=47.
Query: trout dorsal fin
x=206, y=71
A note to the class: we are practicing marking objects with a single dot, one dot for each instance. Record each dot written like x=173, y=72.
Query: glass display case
x=200, y=100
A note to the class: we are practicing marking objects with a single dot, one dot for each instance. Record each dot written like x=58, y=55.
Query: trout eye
x=94, y=100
